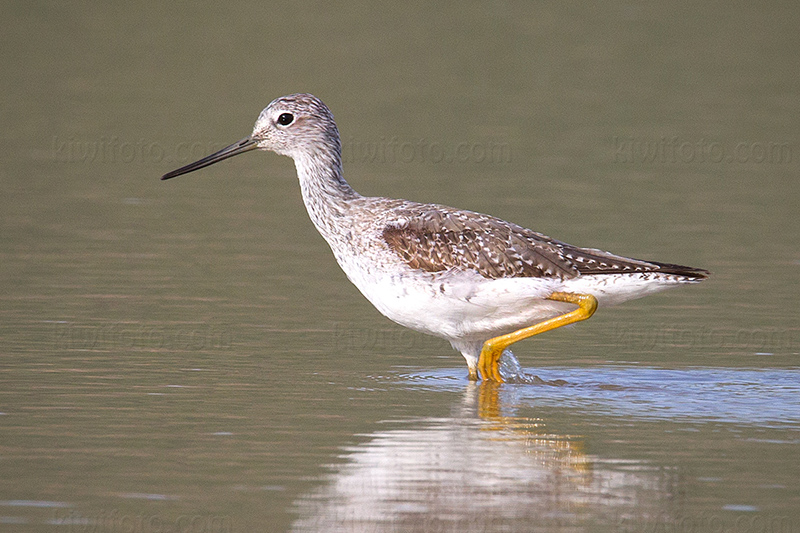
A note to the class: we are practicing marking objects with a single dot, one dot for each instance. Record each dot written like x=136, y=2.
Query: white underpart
x=468, y=309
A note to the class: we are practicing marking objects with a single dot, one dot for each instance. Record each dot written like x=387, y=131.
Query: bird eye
x=285, y=119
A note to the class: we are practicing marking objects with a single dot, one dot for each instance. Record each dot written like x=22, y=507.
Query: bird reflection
x=483, y=468
x=560, y=451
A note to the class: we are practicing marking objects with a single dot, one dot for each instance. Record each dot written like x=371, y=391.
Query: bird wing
x=438, y=238
x=433, y=239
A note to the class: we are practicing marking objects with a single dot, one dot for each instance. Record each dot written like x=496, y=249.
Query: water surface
x=187, y=356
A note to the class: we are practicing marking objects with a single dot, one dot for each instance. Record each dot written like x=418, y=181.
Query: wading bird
x=478, y=281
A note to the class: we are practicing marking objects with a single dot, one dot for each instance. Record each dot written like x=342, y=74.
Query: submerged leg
x=488, y=363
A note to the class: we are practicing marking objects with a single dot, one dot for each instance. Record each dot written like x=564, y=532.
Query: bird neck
x=326, y=194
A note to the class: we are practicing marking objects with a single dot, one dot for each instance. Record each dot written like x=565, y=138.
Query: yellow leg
x=488, y=363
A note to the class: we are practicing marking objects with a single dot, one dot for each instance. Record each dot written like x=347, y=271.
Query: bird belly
x=464, y=306
x=459, y=305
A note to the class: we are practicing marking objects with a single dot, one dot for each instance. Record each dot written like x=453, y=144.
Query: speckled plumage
x=434, y=238
x=459, y=275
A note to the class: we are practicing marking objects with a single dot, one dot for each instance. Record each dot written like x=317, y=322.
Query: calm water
x=187, y=356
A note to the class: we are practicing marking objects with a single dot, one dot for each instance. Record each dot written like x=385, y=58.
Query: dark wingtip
x=698, y=274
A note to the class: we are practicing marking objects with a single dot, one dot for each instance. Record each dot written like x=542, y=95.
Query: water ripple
x=737, y=395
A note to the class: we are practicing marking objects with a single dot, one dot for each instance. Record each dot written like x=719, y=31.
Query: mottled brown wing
x=438, y=239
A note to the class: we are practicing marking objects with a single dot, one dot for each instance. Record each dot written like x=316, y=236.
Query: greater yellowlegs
x=478, y=281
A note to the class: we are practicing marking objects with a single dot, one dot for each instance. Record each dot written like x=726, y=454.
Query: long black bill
x=245, y=145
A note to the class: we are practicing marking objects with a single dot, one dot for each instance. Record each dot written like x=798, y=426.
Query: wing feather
x=438, y=238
